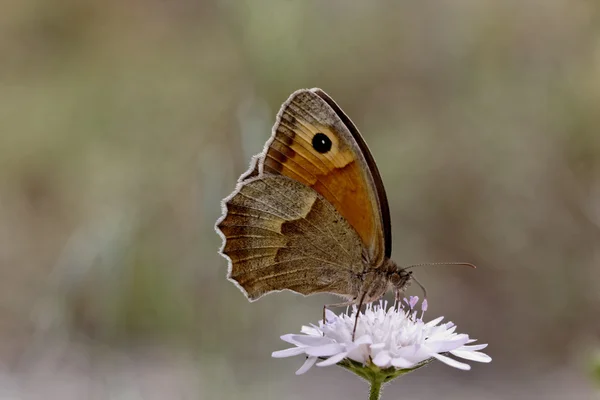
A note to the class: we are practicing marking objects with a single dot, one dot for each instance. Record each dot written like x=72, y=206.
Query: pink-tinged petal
x=451, y=362
x=472, y=356
x=325, y=350
x=402, y=363
x=413, y=301
x=382, y=360
x=294, y=351
x=310, y=361
x=332, y=360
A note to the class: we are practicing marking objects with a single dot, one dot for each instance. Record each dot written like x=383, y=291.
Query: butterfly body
x=311, y=214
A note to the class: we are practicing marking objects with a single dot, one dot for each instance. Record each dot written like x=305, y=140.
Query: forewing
x=345, y=175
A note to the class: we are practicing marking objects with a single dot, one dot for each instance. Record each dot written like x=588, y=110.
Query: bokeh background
x=124, y=123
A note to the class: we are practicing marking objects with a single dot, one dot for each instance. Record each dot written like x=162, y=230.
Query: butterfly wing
x=338, y=165
x=281, y=234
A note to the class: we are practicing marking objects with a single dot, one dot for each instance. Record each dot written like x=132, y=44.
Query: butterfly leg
x=360, y=303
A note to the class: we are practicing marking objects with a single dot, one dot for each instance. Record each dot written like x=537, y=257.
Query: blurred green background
x=124, y=123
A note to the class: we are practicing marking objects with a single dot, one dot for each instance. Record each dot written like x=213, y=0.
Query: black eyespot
x=321, y=143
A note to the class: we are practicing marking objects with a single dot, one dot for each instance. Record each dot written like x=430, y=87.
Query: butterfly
x=311, y=214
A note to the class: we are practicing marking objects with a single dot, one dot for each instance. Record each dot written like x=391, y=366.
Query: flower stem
x=375, y=375
x=375, y=392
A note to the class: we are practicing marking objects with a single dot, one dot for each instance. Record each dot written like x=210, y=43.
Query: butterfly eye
x=321, y=143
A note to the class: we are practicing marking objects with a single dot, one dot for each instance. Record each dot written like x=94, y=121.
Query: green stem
x=375, y=392
x=375, y=375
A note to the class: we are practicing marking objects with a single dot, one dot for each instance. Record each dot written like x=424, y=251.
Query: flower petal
x=450, y=328
x=414, y=354
x=364, y=339
x=310, y=340
x=443, y=346
x=474, y=347
x=333, y=360
x=451, y=362
x=359, y=353
x=289, y=338
x=472, y=355
x=434, y=322
x=311, y=331
x=325, y=350
x=310, y=361
x=294, y=351
x=330, y=316
x=382, y=360
x=387, y=336
x=402, y=363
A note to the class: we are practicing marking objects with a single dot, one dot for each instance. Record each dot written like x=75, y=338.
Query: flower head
x=386, y=338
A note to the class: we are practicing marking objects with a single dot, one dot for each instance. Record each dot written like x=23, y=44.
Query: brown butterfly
x=311, y=214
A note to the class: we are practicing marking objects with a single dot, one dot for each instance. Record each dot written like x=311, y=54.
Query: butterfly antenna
x=441, y=263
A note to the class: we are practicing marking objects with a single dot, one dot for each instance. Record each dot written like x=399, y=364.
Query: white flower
x=396, y=338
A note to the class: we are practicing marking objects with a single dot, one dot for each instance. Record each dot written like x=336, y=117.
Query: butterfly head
x=399, y=278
